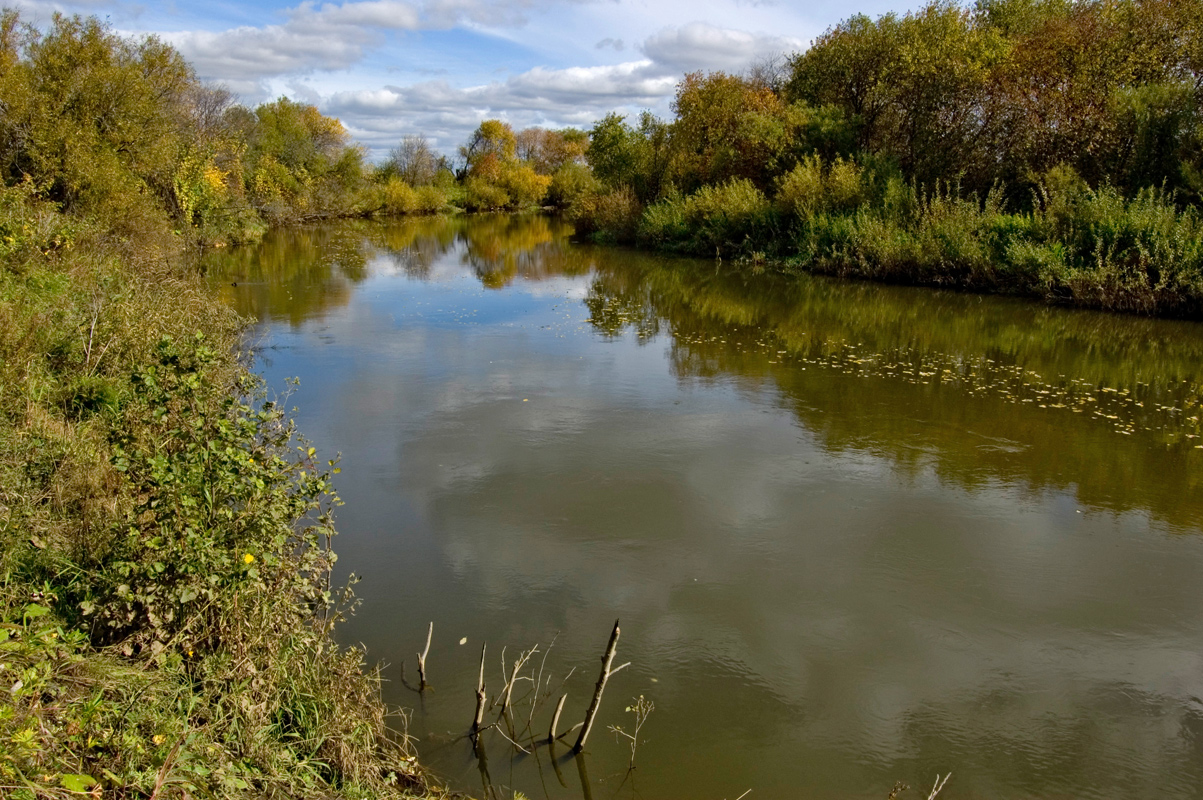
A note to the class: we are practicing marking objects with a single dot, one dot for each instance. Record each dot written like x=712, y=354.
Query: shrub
x=810, y=188
x=431, y=199
x=800, y=191
x=482, y=195
x=734, y=216
x=611, y=216
x=524, y=186
x=570, y=183
x=399, y=198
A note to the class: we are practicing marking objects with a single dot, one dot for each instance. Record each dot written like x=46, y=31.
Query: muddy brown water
x=856, y=534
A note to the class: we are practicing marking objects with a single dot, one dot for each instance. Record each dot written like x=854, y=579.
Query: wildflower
x=157, y=738
x=248, y=558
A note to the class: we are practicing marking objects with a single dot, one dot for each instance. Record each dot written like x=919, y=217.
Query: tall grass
x=165, y=611
x=1074, y=245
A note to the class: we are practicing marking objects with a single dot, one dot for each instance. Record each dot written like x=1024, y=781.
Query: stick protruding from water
x=607, y=659
x=555, y=720
x=422, y=658
x=481, y=697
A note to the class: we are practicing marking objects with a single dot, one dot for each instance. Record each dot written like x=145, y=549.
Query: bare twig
x=422, y=658
x=607, y=660
x=555, y=719
x=541, y=691
x=481, y=697
x=935, y=790
x=511, y=741
x=523, y=657
x=570, y=730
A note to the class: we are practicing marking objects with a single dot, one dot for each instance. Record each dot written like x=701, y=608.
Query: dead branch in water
x=555, y=720
x=935, y=790
x=481, y=697
x=606, y=672
x=422, y=658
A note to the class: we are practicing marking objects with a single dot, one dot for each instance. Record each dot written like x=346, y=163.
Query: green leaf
x=77, y=783
x=33, y=611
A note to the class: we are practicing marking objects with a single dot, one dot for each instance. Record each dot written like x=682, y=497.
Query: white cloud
x=699, y=45
x=245, y=56
x=548, y=97
x=327, y=36
x=346, y=58
x=388, y=14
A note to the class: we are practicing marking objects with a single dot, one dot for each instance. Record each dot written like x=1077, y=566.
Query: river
x=855, y=534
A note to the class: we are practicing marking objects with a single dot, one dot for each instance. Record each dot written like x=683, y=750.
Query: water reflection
x=980, y=387
x=855, y=533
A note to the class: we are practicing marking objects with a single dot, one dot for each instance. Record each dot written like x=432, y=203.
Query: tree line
x=1047, y=147
x=106, y=127
x=1044, y=147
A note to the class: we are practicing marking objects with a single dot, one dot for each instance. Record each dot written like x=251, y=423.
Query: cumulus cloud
x=573, y=96
x=318, y=37
x=243, y=57
x=546, y=97
x=328, y=36
x=699, y=45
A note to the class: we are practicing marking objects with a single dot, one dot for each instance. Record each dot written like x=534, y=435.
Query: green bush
x=810, y=187
x=431, y=199
x=570, y=183
x=483, y=195
x=611, y=216
x=732, y=217
x=399, y=198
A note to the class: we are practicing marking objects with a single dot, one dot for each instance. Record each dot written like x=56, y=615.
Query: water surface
x=855, y=534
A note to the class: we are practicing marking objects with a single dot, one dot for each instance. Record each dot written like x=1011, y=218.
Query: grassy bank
x=1076, y=245
x=165, y=612
x=165, y=606
x=1034, y=147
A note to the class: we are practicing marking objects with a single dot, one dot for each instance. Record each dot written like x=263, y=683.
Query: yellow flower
x=248, y=558
x=157, y=738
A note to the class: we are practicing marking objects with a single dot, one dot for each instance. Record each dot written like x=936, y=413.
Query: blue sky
x=388, y=68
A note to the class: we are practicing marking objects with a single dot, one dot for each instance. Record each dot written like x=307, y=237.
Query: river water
x=855, y=534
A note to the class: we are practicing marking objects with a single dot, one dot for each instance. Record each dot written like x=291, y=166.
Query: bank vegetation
x=165, y=604
x=1040, y=147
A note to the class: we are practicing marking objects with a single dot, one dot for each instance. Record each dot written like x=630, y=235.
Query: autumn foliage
x=1043, y=147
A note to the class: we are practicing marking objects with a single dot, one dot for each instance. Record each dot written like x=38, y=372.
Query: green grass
x=1076, y=246
x=165, y=607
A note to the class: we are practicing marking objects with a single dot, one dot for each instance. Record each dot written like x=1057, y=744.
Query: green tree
x=624, y=156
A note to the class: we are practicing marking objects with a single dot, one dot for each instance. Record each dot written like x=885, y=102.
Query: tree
x=728, y=127
x=495, y=178
x=414, y=161
x=96, y=119
x=489, y=146
x=623, y=156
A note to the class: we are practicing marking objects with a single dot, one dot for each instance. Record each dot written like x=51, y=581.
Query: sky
x=391, y=68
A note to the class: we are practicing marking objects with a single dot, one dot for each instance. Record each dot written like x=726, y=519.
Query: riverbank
x=1042, y=149
x=165, y=599
x=1078, y=246
x=165, y=610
